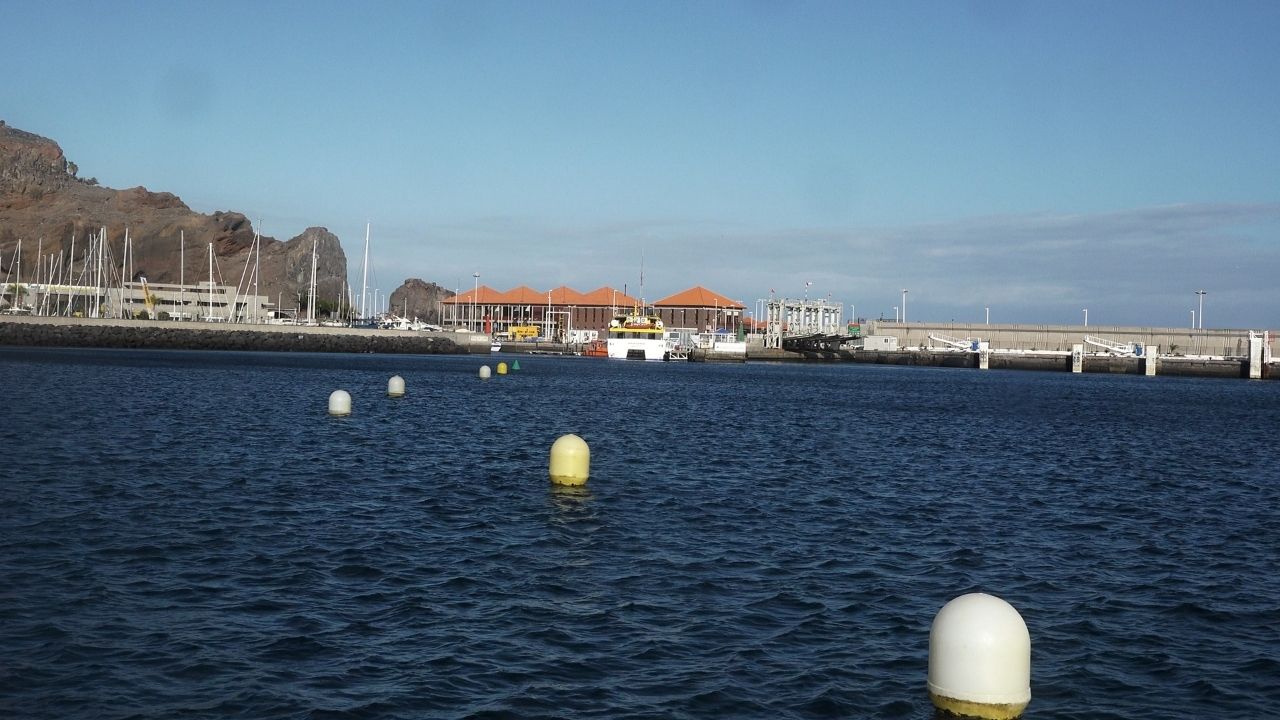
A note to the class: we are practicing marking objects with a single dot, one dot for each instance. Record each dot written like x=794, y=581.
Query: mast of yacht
x=14, y=296
x=39, y=262
x=311, y=300
x=364, y=280
x=210, y=315
x=257, y=261
x=182, y=272
x=124, y=257
x=71, y=272
x=97, y=286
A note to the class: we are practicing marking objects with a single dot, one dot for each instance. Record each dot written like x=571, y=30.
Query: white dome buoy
x=570, y=461
x=339, y=403
x=485, y=372
x=395, y=386
x=980, y=658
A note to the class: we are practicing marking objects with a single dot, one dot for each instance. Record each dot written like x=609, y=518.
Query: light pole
x=895, y=313
x=1086, y=317
x=1200, y=314
x=1193, y=319
x=474, y=296
x=904, y=304
x=988, y=315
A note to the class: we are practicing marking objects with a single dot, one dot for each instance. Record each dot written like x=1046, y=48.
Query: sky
x=1026, y=159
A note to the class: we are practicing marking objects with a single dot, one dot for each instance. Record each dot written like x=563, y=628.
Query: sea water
x=191, y=535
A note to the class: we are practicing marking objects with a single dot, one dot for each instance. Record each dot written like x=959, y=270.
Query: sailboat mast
x=311, y=301
x=364, y=280
x=257, y=260
x=182, y=271
x=124, y=257
x=97, y=288
x=17, y=283
x=210, y=316
x=71, y=272
x=39, y=262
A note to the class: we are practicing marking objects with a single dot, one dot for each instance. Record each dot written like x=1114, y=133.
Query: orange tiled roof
x=608, y=297
x=484, y=295
x=698, y=297
x=524, y=295
x=565, y=295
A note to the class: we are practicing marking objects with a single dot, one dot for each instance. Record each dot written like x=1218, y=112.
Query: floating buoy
x=515, y=365
x=395, y=386
x=502, y=368
x=980, y=658
x=484, y=372
x=339, y=403
x=570, y=460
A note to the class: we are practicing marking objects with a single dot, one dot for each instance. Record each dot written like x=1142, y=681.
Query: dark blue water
x=190, y=535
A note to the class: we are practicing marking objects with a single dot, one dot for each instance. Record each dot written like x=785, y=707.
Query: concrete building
x=203, y=301
x=565, y=314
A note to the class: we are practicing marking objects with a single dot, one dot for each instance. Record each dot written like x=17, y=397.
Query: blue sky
x=1036, y=158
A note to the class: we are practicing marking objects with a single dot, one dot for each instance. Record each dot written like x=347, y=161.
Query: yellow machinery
x=148, y=299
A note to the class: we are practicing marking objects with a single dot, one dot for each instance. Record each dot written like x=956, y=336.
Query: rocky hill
x=418, y=299
x=45, y=203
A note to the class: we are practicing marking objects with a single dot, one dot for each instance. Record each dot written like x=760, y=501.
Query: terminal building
x=567, y=315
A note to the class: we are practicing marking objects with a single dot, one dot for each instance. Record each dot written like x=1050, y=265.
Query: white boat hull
x=637, y=349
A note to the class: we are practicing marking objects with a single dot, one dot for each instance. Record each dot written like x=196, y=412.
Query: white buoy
x=980, y=658
x=570, y=461
x=485, y=372
x=395, y=386
x=339, y=403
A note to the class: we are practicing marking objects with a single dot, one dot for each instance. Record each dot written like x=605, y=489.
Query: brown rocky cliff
x=419, y=299
x=44, y=203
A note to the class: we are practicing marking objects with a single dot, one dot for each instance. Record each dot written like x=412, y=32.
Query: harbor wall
x=170, y=335
x=1172, y=341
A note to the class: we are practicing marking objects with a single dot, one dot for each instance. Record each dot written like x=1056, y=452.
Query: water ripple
x=756, y=541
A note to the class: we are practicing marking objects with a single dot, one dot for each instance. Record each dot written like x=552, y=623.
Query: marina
x=1207, y=353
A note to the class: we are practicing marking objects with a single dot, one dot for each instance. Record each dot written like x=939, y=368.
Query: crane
x=147, y=299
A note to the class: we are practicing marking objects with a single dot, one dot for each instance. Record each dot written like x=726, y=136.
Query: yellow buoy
x=570, y=461
x=395, y=386
x=980, y=659
x=484, y=372
x=502, y=368
x=339, y=403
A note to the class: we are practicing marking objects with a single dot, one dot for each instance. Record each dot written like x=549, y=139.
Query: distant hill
x=45, y=203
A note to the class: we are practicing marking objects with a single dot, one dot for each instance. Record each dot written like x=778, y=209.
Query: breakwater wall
x=1049, y=361
x=1056, y=362
x=162, y=335
x=1171, y=341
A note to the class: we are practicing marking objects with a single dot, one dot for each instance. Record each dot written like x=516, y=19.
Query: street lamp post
x=988, y=315
x=1193, y=319
x=474, y=296
x=904, y=304
x=1200, y=313
x=1086, y=317
x=895, y=313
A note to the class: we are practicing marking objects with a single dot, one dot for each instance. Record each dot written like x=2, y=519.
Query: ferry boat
x=636, y=337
